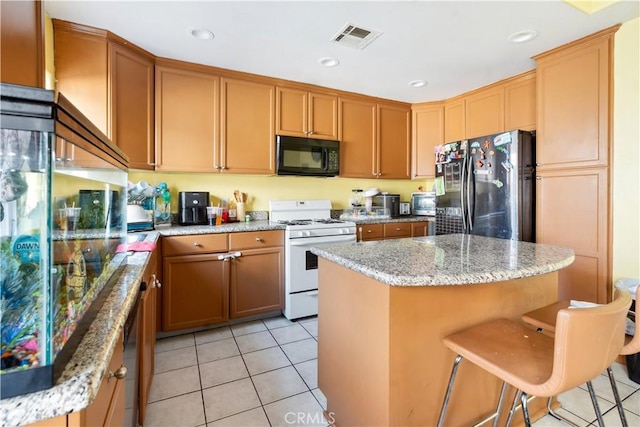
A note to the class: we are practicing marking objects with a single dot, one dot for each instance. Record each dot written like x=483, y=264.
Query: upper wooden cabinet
x=243, y=148
x=574, y=85
x=22, y=43
x=187, y=119
x=307, y=114
x=484, y=112
x=520, y=102
x=427, y=132
x=112, y=83
x=454, y=117
x=394, y=142
x=357, y=125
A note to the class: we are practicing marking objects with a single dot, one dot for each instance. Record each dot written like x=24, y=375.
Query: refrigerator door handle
x=469, y=198
x=463, y=207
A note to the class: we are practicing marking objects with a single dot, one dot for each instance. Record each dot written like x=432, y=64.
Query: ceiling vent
x=356, y=37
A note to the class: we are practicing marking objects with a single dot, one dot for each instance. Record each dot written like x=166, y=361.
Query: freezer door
x=494, y=204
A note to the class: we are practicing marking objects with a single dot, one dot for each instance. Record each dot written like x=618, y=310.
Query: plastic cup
x=211, y=215
x=62, y=218
x=240, y=211
x=73, y=215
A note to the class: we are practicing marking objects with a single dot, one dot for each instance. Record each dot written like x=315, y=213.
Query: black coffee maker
x=192, y=207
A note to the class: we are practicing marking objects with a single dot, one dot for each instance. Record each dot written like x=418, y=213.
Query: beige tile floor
x=264, y=373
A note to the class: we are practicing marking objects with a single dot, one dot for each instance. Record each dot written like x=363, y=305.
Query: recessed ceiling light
x=523, y=36
x=328, y=62
x=418, y=83
x=200, y=33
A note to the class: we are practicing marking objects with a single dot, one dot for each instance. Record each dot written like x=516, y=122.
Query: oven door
x=302, y=265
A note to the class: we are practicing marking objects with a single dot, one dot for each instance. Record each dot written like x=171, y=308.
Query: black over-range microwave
x=306, y=156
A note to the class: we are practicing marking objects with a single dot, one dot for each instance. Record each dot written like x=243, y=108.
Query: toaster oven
x=423, y=203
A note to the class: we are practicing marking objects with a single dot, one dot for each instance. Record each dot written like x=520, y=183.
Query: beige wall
x=626, y=152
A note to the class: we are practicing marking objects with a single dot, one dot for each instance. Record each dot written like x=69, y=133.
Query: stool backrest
x=587, y=341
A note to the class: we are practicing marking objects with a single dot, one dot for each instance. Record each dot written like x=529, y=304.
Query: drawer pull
x=196, y=244
x=398, y=229
x=158, y=284
x=119, y=374
x=259, y=239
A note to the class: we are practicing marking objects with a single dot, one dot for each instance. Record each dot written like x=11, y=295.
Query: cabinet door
x=572, y=211
x=82, y=71
x=247, y=143
x=195, y=291
x=22, y=43
x=454, y=120
x=132, y=106
x=257, y=282
x=323, y=116
x=419, y=229
x=395, y=230
x=186, y=120
x=484, y=112
x=574, y=104
x=357, y=135
x=370, y=232
x=291, y=111
x=520, y=103
x=147, y=334
x=394, y=142
x=427, y=132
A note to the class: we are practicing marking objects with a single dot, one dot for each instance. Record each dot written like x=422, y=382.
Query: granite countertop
x=232, y=227
x=454, y=259
x=79, y=382
x=407, y=218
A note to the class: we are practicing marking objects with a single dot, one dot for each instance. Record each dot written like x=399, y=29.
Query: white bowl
x=135, y=213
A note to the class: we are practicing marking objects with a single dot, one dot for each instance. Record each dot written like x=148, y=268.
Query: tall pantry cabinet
x=574, y=110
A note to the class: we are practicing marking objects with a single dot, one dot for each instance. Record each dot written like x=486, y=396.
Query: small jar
x=247, y=218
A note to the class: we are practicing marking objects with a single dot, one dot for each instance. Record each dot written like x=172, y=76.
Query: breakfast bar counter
x=384, y=307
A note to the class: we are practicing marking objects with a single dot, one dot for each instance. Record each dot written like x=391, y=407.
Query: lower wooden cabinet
x=147, y=336
x=202, y=289
x=392, y=230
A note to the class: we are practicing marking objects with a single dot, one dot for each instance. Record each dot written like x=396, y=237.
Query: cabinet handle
x=397, y=228
x=368, y=231
x=158, y=284
x=538, y=178
x=259, y=239
x=223, y=168
x=538, y=164
x=119, y=374
x=152, y=164
x=196, y=244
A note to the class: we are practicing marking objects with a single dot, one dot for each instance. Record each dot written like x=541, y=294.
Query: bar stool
x=539, y=365
x=544, y=319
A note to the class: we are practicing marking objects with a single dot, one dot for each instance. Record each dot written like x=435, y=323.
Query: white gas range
x=308, y=223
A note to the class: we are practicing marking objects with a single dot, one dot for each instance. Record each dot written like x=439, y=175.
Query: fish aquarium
x=63, y=196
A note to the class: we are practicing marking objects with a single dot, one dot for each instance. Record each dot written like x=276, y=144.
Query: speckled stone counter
x=408, y=218
x=453, y=259
x=385, y=306
x=233, y=227
x=80, y=380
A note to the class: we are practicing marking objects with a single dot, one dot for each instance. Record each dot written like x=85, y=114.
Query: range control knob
x=307, y=233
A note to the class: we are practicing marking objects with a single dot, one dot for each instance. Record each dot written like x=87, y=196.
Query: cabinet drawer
x=194, y=244
x=255, y=239
x=370, y=232
x=397, y=229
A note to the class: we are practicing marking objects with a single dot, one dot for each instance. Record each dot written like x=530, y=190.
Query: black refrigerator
x=485, y=186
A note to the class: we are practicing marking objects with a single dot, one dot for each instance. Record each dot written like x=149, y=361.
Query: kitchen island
x=384, y=307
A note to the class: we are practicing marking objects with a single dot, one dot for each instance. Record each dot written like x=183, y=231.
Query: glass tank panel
x=62, y=216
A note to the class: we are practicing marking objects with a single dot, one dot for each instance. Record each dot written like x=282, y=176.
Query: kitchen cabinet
x=22, y=49
x=196, y=281
x=306, y=114
x=420, y=229
x=397, y=230
x=574, y=113
x=454, y=117
x=187, y=115
x=119, y=96
x=257, y=281
x=484, y=112
x=427, y=132
x=520, y=102
x=147, y=335
x=579, y=223
x=357, y=135
x=573, y=120
x=393, y=155
x=370, y=232
x=244, y=148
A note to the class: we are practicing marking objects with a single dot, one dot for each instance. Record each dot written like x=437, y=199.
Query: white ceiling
x=455, y=45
